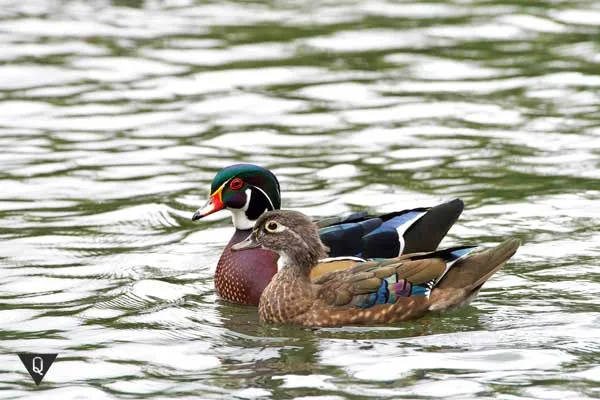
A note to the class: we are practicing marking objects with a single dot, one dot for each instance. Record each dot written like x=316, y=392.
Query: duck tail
x=462, y=282
x=429, y=230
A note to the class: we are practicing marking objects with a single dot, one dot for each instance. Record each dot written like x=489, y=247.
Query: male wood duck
x=370, y=292
x=248, y=191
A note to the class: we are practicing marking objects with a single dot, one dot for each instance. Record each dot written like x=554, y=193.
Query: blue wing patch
x=391, y=289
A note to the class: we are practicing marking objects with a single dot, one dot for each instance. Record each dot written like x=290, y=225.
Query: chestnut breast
x=241, y=276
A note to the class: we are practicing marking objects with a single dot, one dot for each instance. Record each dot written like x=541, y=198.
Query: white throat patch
x=238, y=215
x=283, y=261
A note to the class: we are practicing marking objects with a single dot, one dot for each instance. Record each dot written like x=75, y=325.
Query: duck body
x=248, y=191
x=369, y=292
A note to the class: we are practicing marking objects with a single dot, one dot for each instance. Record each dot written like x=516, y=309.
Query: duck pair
x=324, y=277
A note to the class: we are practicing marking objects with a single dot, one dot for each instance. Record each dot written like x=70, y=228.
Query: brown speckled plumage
x=292, y=298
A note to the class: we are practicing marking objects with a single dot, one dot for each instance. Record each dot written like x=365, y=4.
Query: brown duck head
x=290, y=234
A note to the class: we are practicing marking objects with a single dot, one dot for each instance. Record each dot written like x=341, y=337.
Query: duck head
x=290, y=234
x=246, y=190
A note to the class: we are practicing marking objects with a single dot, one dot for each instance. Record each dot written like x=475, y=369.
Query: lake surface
x=115, y=116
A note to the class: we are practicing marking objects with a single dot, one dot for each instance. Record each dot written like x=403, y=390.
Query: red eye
x=236, y=184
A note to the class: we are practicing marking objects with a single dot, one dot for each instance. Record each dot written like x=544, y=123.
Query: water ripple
x=115, y=116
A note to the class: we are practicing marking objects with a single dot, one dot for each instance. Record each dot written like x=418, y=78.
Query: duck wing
x=368, y=283
x=389, y=235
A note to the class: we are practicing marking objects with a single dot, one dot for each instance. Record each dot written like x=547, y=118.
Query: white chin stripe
x=238, y=215
x=240, y=221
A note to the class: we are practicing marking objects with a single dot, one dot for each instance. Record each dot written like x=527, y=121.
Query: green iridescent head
x=247, y=190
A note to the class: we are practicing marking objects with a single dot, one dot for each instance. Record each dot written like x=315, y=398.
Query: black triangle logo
x=37, y=364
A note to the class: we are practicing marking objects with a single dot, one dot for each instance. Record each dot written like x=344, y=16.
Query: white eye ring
x=273, y=226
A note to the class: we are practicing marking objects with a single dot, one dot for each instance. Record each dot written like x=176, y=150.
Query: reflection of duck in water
x=249, y=190
x=391, y=290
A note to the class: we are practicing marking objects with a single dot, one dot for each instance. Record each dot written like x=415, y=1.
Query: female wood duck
x=248, y=191
x=371, y=292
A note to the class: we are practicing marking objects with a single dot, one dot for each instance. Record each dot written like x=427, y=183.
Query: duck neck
x=241, y=220
x=296, y=273
x=292, y=268
x=257, y=203
x=289, y=295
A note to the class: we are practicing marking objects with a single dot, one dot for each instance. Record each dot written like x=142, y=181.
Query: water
x=114, y=117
